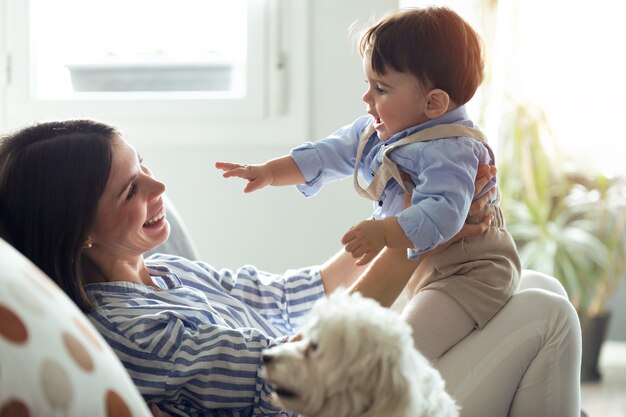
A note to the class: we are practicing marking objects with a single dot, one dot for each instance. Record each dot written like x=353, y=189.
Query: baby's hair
x=434, y=44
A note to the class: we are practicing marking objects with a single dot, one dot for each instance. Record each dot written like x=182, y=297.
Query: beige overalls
x=480, y=273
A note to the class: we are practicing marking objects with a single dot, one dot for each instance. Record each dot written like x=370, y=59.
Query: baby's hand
x=258, y=176
x=365, y=240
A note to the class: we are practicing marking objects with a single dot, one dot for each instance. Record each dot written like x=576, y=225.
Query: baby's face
x=396, y=100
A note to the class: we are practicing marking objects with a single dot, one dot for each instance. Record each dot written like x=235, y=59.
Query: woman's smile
x=157, y=221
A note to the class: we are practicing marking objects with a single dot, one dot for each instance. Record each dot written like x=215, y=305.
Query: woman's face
x=130, y=219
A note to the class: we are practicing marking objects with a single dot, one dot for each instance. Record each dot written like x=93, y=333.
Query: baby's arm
x=367, y=238
x=279, y=171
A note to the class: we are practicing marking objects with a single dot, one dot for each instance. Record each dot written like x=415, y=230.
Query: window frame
x=277, y=86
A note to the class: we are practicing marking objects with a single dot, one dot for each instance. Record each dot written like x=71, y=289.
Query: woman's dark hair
x=434, y=44
x=51, y=178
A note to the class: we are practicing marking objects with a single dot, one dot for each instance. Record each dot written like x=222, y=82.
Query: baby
x=422, y=66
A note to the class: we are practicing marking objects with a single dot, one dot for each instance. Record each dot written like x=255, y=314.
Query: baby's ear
x=438, y=103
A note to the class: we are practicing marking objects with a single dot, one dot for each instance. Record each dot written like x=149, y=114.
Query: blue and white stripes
x=195, y=346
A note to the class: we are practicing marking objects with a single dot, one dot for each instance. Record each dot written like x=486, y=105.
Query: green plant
x=567, y=224
x=604, y=200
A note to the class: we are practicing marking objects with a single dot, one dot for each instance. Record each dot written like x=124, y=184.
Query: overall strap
x=389, y=169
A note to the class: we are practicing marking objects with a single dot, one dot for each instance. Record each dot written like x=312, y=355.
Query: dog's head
x=352, y=354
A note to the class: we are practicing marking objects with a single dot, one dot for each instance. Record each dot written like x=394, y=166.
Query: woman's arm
x=387, y=275
x=340, y=271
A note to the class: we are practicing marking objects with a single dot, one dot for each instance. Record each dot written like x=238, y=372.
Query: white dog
x=355, y=358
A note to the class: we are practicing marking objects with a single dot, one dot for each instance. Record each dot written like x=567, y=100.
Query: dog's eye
x=310, y=348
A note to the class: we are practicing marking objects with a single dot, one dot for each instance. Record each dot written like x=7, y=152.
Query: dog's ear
x=392, y=390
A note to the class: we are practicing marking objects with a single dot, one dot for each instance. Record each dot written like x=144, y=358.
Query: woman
x=79, y=203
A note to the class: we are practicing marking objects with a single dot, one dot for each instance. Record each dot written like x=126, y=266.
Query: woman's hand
x=484, y=174
x=470, y=230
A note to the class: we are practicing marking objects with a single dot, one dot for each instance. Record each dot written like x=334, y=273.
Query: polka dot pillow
x=52, y=361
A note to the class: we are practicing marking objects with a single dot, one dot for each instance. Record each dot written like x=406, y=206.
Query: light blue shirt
x=195, y=346
x=442, y=170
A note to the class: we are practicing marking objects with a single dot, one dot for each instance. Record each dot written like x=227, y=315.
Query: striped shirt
x=194, y=347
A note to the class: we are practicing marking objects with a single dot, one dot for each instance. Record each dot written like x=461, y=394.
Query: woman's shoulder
x=175, y=261
x=185, y=269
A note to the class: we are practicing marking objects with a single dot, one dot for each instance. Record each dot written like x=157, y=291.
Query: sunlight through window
x=139, y=46
x=565, y=60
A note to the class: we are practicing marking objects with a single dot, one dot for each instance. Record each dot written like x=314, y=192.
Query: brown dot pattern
x=49, y=346
x=55, y=384
x=41, y=280
x=115, y=405
x=14, y=408
x=77, y=352
x=88, y=332
x=12, y=327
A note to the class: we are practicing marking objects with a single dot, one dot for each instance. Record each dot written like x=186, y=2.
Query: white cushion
x=52, y=360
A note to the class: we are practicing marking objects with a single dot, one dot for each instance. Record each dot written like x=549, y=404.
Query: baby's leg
x=438, y=322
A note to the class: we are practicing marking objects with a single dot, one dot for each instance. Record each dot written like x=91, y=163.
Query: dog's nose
x=266, y=358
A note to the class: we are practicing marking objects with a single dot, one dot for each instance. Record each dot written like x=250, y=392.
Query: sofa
x=52, y=360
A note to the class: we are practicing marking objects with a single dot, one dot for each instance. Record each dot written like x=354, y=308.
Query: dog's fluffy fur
x=355, y=358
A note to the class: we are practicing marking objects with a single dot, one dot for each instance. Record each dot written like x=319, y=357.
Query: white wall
x=277, y=228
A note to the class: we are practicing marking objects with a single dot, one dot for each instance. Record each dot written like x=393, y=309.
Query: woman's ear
x=438, y=103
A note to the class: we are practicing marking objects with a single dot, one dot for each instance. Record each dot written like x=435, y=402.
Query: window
x=162, y=66
x=100, y=50
x=573, y=74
